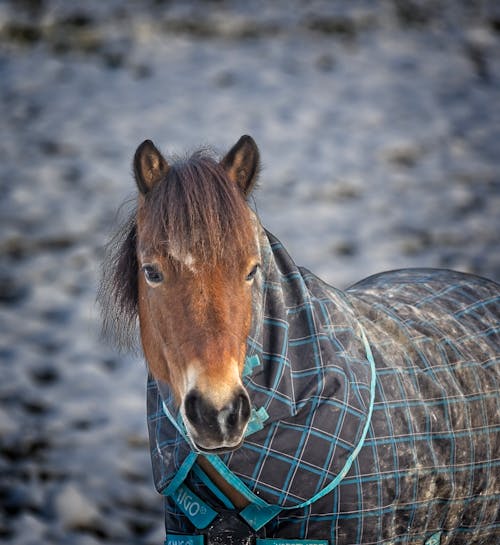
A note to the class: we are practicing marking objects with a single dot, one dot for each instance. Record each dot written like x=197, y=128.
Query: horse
x=284, y=410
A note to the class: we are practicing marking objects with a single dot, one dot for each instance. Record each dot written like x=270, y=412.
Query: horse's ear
x=149, y=166
x=242, y=164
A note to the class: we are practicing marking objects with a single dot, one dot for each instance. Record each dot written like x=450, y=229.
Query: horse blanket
x=380, y=403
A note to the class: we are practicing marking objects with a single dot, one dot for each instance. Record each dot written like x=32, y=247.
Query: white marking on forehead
x=185, y=259
x=190, y=262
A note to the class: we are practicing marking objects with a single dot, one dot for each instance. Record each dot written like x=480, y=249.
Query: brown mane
x=195, y=210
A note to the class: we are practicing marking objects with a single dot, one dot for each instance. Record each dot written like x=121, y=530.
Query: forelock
x=196, y=212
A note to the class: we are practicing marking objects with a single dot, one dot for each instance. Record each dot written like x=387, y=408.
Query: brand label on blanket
x=198, y=512
x=173, y=539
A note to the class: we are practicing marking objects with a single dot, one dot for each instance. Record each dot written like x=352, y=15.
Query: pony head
x=188, y=268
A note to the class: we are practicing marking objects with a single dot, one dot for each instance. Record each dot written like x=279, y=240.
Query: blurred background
x=379, y=129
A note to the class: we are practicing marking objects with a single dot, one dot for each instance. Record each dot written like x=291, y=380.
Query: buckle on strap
x=229, y=528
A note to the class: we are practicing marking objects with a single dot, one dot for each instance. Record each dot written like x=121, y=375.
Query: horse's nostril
x=244, y=407
x=232, y=417
x=193, y=408
x=239, y=411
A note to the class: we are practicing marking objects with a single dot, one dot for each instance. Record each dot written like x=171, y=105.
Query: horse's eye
x=152, y=274
x=252, y=273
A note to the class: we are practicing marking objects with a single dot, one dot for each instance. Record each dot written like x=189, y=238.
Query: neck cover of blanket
x=310, y=379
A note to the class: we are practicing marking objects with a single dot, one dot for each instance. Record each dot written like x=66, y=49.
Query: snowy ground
x=379, y=128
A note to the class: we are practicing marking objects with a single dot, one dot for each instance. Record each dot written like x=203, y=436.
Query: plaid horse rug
x=376, y=412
